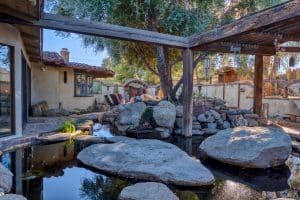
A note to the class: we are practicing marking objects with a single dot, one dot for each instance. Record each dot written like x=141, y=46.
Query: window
x=6, y=90
x=83, y=84
x=65, y=77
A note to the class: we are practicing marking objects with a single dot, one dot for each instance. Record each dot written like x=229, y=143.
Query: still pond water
x=51, y=172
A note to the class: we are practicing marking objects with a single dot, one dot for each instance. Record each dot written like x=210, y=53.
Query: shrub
x=68, y=127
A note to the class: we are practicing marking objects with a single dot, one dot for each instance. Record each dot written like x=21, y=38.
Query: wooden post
x=258, y=84
x=187, y=92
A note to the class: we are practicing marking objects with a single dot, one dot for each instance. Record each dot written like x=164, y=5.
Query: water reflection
x=52, y=172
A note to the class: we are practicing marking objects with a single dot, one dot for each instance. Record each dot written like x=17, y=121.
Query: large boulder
x=151, y=160
x=250, y=147
x=147, y=191
x=164, y=114
x=130, y=115
x=5, y=179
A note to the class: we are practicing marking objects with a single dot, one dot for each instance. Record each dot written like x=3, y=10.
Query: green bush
x=68, y=127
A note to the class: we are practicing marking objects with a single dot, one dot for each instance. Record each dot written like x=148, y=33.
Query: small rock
x=202, y=118
x=197, y=132
x=164, y=132
x=12, y=197
x=212, y=125
x=5, y=178
x=226, y=124
x=210, y=131
x=179, y=111
x=215, y=114
x=178, y=131
x=116, y=139
x=178, y=123
x=147, y=191
x=252, y=116
x=251, y=122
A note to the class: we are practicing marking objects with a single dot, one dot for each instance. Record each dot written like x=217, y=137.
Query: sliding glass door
x=6, y=90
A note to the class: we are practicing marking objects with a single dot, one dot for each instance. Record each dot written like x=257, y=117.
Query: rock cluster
x=213, y=120
x=137, y=118
x=249, y=147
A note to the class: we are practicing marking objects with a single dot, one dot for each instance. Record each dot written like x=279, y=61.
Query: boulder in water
x=249, y=147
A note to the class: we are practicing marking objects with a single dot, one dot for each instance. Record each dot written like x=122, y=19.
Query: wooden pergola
x=257, y=34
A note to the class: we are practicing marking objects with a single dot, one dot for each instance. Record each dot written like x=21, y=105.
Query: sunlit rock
x=151, y=160
x=250, y=147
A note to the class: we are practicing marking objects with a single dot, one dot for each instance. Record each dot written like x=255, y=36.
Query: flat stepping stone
x=147, y=191
x=151, y=160
x=6, y=178
x=12, y=197
x=249, y=147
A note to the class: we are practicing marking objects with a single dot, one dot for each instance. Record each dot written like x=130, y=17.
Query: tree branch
x=146, y=63
x=195, y=63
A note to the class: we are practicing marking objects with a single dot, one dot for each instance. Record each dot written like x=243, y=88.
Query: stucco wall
x=66, y=93
x=44, y=85
x=277, y=105
x=9, y=35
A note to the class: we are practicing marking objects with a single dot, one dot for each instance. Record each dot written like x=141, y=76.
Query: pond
x=46, y=172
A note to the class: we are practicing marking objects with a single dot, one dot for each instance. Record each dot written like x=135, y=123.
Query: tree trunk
x=164, y=69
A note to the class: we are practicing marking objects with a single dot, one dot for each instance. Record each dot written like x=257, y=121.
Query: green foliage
x=68, y=127
x=177, y=17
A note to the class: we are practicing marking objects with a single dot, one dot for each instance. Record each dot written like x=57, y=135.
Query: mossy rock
x=183, y=195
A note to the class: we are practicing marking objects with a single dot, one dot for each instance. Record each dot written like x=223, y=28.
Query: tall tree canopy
x=177, y=17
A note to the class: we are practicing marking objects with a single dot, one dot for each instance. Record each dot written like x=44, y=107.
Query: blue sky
x=78, y=53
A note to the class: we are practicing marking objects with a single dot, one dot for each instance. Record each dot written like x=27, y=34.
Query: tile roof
x=55, y=59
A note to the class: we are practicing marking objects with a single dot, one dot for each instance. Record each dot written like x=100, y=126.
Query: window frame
x=12, y=90
x=86, y=85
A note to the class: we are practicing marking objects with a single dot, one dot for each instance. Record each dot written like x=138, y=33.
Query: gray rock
x=178, y=123
x=5, y=178
x=209, y=116
x=178, y=131
x=202, y=118
x=130, y=116
x=210, y=131
x=116, y=139
x=164, y=132
x=147, y=191
x=212, y=125
x=251, y=122
x=151, y=160
x=179, y=111
x=197, y=132
x=12, y=197
x=164, y=114
x=293, y=163
x=226, y=125
x=250, y=147
x=215, y=114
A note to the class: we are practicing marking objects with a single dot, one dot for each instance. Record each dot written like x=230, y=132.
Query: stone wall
x=276, y=105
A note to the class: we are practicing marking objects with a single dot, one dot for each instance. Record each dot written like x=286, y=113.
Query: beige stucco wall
x=9, y=35
x=66, y=93
x=277, y=106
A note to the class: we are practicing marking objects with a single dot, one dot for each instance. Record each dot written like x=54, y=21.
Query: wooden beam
x=224, y=47
x=187, y=92
x=290, y=49
x=252, y=22
x=99, y=29
x=16, y=13
x=258, y=85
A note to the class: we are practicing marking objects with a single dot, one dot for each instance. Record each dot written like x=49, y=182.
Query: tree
x=177, y=17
